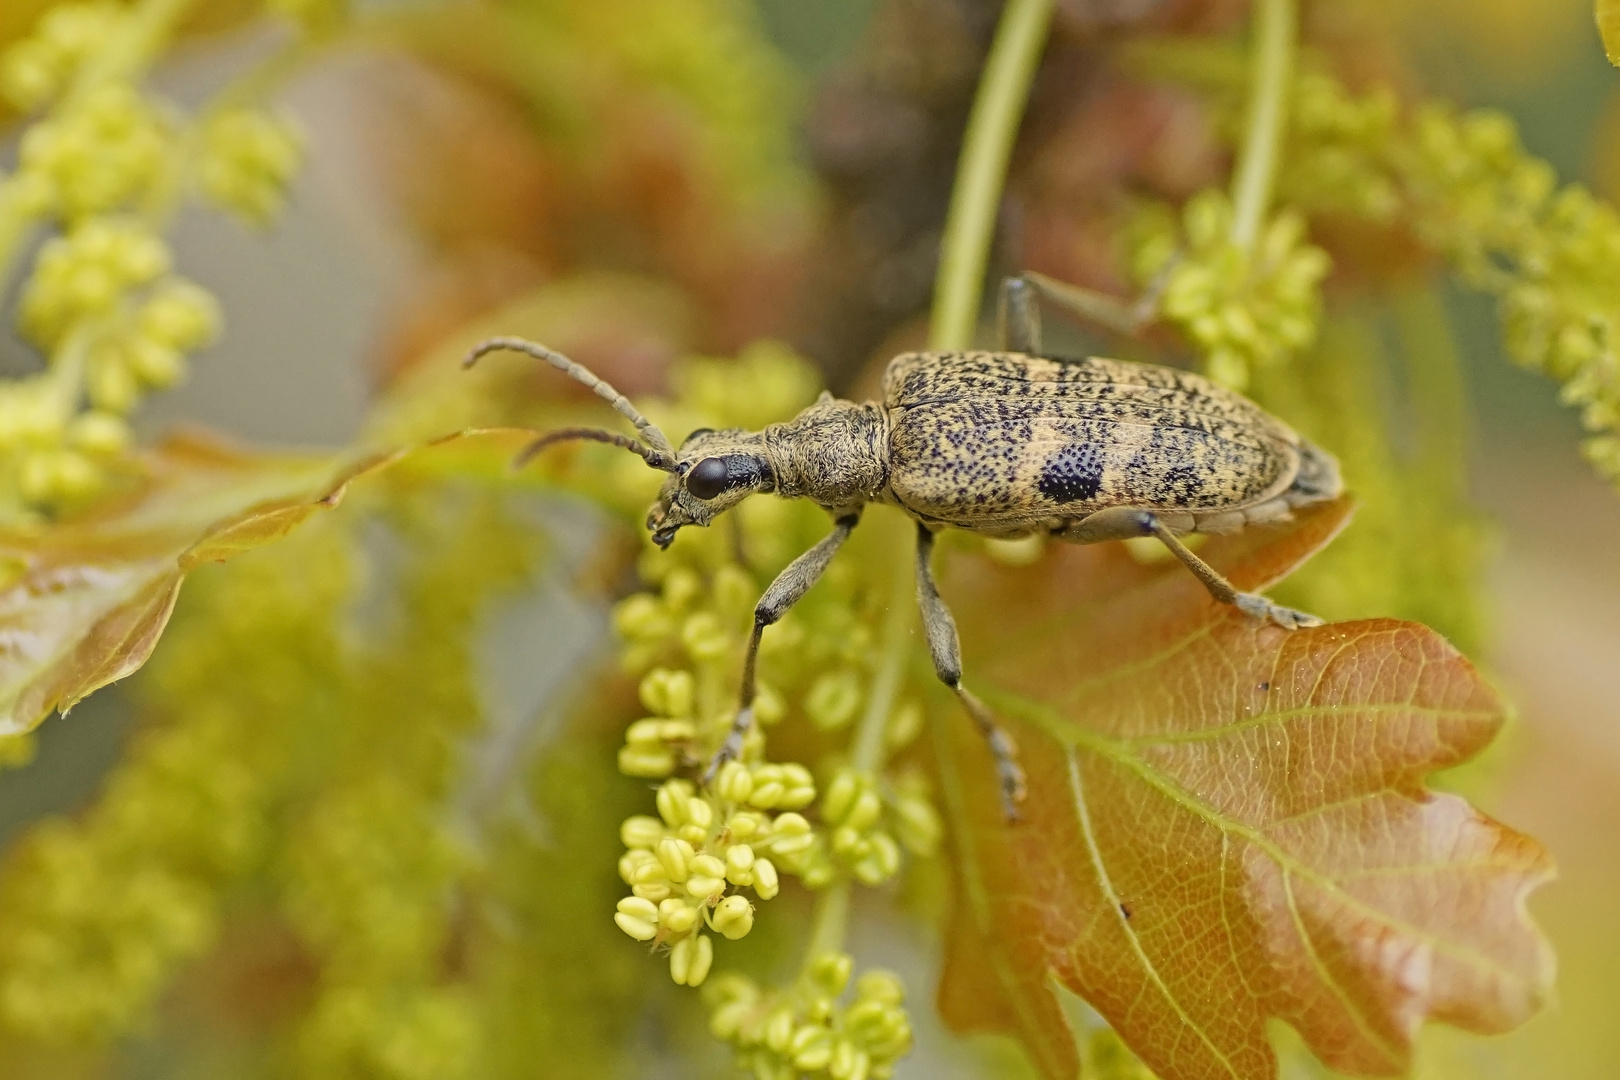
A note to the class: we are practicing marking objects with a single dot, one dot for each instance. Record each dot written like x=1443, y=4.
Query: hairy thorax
x=835, y=452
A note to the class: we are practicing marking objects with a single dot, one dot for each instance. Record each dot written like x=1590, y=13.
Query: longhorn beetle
x=1004, y=444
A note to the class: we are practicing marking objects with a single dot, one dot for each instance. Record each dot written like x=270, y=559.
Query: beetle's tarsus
x=1257, y=606
x=731, y=748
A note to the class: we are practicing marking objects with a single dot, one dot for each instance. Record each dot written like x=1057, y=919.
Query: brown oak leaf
x=83, y=603
x=1226, y=823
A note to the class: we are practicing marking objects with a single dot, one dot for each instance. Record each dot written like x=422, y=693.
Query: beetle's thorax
x=835, y=452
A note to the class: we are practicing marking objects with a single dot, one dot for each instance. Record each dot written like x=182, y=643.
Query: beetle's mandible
x=1004, y=443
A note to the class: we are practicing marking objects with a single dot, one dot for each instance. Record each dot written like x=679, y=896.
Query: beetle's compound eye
x=707, y=478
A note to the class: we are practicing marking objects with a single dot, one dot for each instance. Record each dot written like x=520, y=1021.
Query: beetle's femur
x=657, y=451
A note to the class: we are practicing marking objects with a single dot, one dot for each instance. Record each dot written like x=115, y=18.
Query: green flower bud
x=734, y=917
x=638, y=918
x=681, y=586
x=734, y=782
x=689, y=960
x=841, y=794
x=705, y=887
x=866, y=811
x=834, y=699
x=791, y=833
x=675, y=856
x=766, y=786
x=642, y=618
x=779, y=1029
x=154, y=363
x=766, y=883
x=830, y=972
x=906, y=721
x=179, y=314
x=798, y=787
x=641, y=831
x=667, y=692
x=704, y=637
x=768, y=704
x=99, y=433
x=649, y=763
x=881, y=986
x=672, y=799
x=811, y=1048
x=739, y=864
x=631, y=862
x=677, y=916
x=699, y=813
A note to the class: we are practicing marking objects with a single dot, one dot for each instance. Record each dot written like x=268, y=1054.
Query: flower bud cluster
x=249, y=157
x=103, y=152
x=1242, y=308
x=1335, y=143
x=1464, y=185
x=39, y=67
x=103, y=302
x=686, y=868
x=809, y=1031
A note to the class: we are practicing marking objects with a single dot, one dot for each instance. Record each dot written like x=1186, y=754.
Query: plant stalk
x=981, y=171
x=867, y=746
x=1276, y=31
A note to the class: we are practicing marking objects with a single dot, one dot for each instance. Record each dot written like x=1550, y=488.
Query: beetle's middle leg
x=791, y=584
x=1121, y=522
x=946, y=650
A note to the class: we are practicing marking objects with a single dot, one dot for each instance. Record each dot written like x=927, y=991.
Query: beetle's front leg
x=946, y=649
x=791, y=584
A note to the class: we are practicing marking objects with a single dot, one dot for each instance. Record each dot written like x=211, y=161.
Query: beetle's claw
x=1257, y=606
x=731, y=749
x=1012, y=789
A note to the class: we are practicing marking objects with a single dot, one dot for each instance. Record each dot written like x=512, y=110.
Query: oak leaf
x=1226, y=823
x=83, y=603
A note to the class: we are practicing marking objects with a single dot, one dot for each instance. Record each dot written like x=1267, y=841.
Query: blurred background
x=453, y=174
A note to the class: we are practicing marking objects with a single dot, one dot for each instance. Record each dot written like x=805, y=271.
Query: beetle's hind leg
x=1018, y=317
x=791, y=584
x=1123, y=522
x=946, y=649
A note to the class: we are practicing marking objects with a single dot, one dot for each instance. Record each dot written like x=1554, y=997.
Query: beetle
x=1002, y=443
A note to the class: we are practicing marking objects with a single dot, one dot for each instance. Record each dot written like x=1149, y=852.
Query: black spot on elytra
x=1072, y=474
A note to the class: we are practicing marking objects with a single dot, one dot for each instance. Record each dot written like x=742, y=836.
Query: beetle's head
x=714, y=471
x=711, y=472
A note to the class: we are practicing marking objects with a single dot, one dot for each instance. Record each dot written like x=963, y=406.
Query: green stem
x=867, y=746
x=1276, y=33
x=982, y=170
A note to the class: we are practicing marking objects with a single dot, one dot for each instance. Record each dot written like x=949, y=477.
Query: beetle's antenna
x=658, y=452
x=528, y=453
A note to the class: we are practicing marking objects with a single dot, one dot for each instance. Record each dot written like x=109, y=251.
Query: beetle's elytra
x=1003, y=443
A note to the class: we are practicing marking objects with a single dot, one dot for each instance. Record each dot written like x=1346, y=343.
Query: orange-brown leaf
x=1226, y=823
x=85, y=601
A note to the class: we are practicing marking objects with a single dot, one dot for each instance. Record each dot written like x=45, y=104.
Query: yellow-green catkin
x=1464, y=184
x=101, y=164
x=301, y=746
x=1243, y=307
x=97, y=912
x=373, y=865
x=704, y=867
x=817, y=1027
